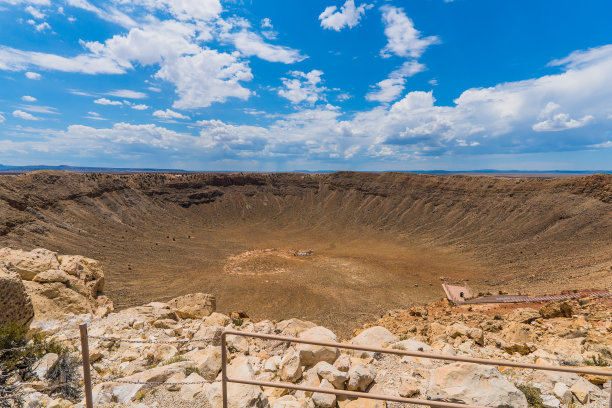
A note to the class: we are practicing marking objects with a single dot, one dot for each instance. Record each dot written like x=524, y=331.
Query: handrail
x=505, y=363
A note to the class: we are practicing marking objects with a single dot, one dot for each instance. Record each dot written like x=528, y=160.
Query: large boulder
x=474, y=384
x=194, y=305
x=360, y=377
x=15, y=303
x=523, y=315
x=29, y=264
x=290, y=367
x=376, y=336
x=556, y=309
x=242, y=395
x=312, y=354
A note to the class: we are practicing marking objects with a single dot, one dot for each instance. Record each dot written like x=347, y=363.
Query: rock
x=412, y=345
x=217, y=319
x=336, y=377
x=208, y=361
x=189, y=391
x=549, y=401
x=312, y=354
x=456, y=330
x=343, y=363
x=164, y=352
x=272, y=363
x=408, y=388
x=563, y=393
x=289, y=401
x=87, y=272
x=293, y=327
x=376, y=336
x=324, y=400
x=582, y=390
x=52, y=275
x=15, y=303
x=475, y=385
x=518, y=333
x=523, y=315
x=194, y=305
x=46, y=363
x=290, y=368
x=209, y=335
x=360, y=377
x=112, y=392
x=164, y=324
x=242, y=395
x=29, y=264
x=149, y=313
x=418, y=311
x=365, y=403
x=175, y=378
x=238, y=344
x=556, y=309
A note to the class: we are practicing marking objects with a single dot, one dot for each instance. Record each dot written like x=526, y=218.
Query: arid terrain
x=379, y=241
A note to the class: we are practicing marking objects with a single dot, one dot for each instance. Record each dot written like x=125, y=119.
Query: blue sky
x=307, y=85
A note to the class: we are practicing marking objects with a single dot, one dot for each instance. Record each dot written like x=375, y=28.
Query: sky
x=269, y=85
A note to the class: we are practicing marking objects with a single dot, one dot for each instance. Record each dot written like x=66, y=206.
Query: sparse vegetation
x=597, y=361
x=533, y=395
x=497, y=317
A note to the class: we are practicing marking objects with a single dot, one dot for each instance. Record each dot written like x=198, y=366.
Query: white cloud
x=303, y=87
x=169, y=114
x=604, y=145
x=348, y=16
x=36, y=13
x=12, y=59
x=249, y=44
x=266, y=23
x=104, y=101
x=154, y=89
x=140, y=107
x=2, y=118
x=24, y=115
x=557, y=121
x=206, y=77
x=43, y=26
x=126, y=93
x=28, y=98
x=403, y=39
x=391, y=88
x=33, y=75
x=94, y=116
x=39, y=109
x=110, y=14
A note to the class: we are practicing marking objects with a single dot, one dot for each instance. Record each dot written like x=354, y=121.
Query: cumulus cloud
x=36, y=13
x=2, y=118
x=140, y=107
x=24, y=115
x=348, y=16
x=403, y=39
x=28, y=98
x=33, y=75
x=94, y=116
x=251, y=44
x=555, y=121
x=104, y=101
x=303, y=87
x=169, y=114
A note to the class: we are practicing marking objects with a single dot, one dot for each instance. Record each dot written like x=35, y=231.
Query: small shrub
x=66, y=370
x=596, y=361
x=470, y=309
x=175, y=359
x=237, y=321
x=533, y=395
x=497, y=317
x=191, y=370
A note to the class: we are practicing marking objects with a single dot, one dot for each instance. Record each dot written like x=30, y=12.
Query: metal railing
x=225, y=379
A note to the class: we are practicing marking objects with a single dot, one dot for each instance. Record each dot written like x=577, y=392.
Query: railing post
x=86, y=366
x=224, y=368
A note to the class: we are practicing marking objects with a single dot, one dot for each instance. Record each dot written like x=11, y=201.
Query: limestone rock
x=324, y=400
x=209, y=335
x=46, y=363
x=189, y=391
x=217, y=319
x=556, y=309
x=523, y=315
x=15, y=303
x=365, y=403
x=408, y=388
x=242, y=395
x=175, y=378
x=194, y=305
x=360, y=377
x=29, y=264
x=412, y=345
x=208, y=361
x=336, y=377
x=311, y=354
x=293, y=327
x=549, y=401
x=376, y=336
x=290, y=368
x=563, y=393
x=343, y=363
x=289, y=401
x=475, y=385
x=582, y=390
x=52, y=275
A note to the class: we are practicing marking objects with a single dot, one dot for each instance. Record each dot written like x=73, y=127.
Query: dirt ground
x=379, y=241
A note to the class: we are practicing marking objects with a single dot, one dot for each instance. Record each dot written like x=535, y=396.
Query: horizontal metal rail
x=505, y=363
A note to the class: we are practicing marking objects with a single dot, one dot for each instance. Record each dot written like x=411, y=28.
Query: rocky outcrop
x=56, y=284
x=194, y=305
x=15, y=303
